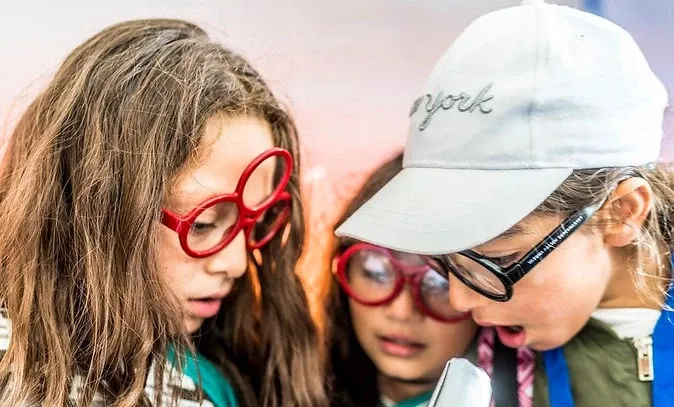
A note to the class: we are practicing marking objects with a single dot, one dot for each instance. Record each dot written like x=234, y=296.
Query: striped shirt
x=177, y=386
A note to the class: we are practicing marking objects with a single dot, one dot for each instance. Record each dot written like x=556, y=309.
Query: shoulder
x=177, y=391
x=176, y=386
x=597, y=359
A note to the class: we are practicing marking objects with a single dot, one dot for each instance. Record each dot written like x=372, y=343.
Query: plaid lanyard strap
x=525, y=366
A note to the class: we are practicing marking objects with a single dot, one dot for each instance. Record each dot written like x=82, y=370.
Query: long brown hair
x=353, y=381
x=85, y=176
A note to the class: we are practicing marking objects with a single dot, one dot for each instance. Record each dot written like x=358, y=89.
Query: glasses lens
x=264, y=183
x=434, y=290
x=269, y=222
x=370, y=275
x=474, y=274
x=215, y=224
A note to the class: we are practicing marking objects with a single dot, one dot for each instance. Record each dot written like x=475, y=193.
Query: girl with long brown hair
x=151, y=218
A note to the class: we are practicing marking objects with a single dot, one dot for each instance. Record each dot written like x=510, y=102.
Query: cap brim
x=437, y=210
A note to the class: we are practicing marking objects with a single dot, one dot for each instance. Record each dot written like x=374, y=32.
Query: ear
x=630, y=203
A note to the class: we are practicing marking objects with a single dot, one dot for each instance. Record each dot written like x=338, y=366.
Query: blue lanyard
x=557, y=371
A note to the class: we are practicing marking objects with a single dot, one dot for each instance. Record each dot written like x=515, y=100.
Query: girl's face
x=404, y=343
x=229, y=144
x=556, y=298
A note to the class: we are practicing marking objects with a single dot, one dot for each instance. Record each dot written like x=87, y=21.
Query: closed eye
x=503, y=261
x=202, y=227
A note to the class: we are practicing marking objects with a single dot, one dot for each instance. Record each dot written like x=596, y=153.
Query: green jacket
x=603, y=370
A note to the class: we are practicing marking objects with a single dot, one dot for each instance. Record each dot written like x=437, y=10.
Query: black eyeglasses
x=495, y=281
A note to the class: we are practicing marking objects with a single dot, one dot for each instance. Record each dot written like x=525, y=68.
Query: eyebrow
x=183, y=201
x=514, y=230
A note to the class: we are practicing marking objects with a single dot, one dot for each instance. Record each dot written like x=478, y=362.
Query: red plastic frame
x=247, y=216
x=412, y=275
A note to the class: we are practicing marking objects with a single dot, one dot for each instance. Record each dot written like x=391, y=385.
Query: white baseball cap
x=523, y=97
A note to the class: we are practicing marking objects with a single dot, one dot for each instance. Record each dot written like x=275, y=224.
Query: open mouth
x=513, y=336
x=400, y=347
x=205, y=299
x=515, y=328
x=205, y=307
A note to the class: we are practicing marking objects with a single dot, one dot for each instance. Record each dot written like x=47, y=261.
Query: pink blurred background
x=348, y=70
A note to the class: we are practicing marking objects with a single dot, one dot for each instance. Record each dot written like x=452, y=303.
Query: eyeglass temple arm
x=558, y=236
x=563, y=231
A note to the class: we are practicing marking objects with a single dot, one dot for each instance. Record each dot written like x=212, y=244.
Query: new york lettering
x=463, y=102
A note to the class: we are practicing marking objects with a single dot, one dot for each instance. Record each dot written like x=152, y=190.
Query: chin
x=544, y=344
x=402, y=372
x=193, y=324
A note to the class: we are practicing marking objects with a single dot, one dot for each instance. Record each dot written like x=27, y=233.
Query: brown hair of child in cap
x=649, y=254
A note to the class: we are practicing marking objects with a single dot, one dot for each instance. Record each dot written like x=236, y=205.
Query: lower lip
x=511, y=338
x=204, y=308
x=398, y=349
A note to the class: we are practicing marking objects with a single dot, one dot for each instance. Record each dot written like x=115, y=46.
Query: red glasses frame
x=247, y=217
x=412, y=275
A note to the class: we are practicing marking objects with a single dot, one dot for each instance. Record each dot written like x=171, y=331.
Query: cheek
x=365, y=322
x=175, y=266
x=567, y=285
x=363, y=319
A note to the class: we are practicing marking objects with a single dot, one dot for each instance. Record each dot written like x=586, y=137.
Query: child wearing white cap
x=530, y=179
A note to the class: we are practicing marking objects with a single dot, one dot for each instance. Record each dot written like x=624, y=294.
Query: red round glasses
x=214, y=223
x=374, y=276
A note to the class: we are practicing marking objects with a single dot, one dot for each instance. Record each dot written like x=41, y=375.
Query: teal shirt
x=206, y=375
x=416, y=401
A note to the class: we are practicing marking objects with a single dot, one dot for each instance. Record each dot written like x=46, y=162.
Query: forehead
x=407, y=258
x=400, y=257
x=227, y=147
x=532, y=226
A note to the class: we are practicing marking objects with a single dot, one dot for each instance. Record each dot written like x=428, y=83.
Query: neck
x=398, y=390
x=623, y=290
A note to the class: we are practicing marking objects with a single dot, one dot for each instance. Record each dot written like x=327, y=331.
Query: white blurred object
x=462, y=385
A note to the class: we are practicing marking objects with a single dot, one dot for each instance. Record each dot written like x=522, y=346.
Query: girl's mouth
x=512, y=336
x=206, y=307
